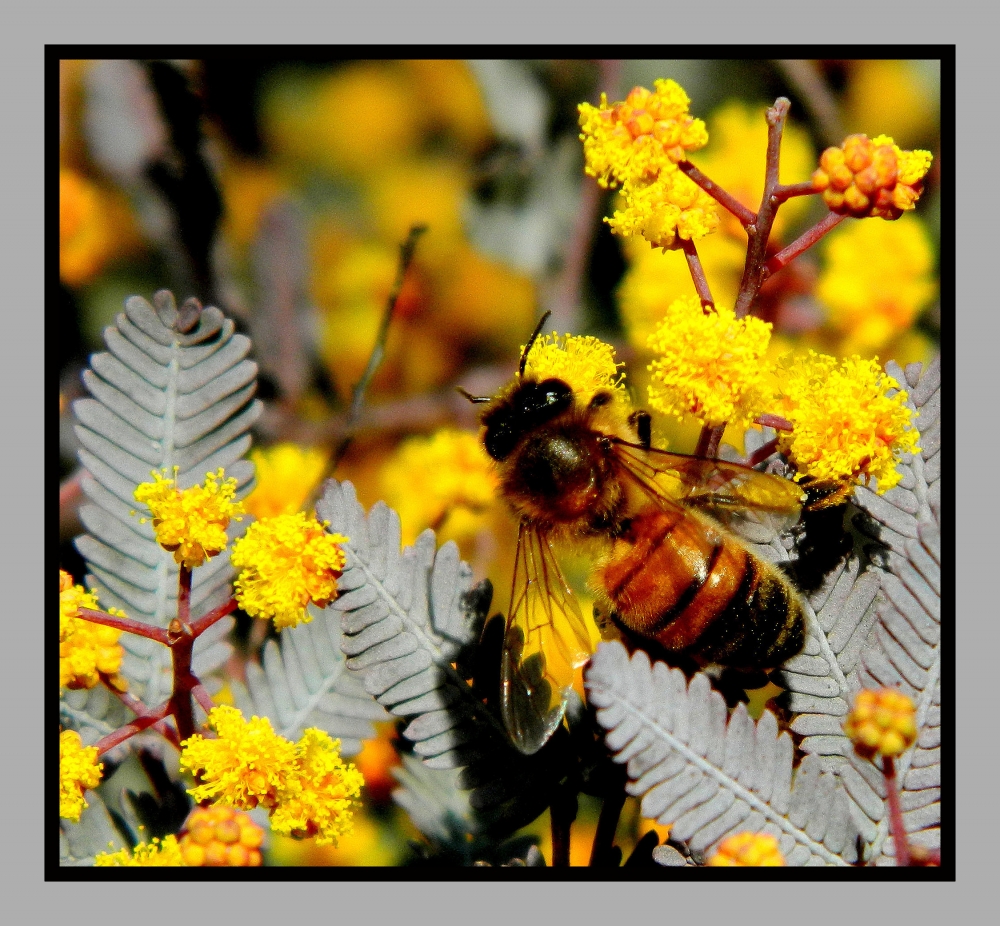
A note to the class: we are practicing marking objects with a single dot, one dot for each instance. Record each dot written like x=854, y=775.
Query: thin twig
x=698, y=274
x=896, y=825
x=562, y=813
x=754, y=272
x=406, y=250
x=130, y=729
x=199, y=626
x=805, y=241
x=126, y=624
x=724, y=199
x=709, y=440
x=184, y=682
x=607, y=823
x=761, y=453
x=785, y=191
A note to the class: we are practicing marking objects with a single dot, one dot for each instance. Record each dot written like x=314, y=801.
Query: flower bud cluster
x=748, y=850
x=220, y=836
x=882, y=721
x=871, y=177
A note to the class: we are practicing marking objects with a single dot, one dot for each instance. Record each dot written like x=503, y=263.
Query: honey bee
x=582, y=469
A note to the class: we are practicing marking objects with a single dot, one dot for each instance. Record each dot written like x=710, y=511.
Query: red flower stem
x=203, y=698
x=562, y=813
x=141, y=722
x=125, y=624
x=754, y=271
x=896, y=826
x=184, y=578
x=805, y=241
x=724, y=199
x=185, y=681
x=774, y=421
x=709, y=440
x=785, y=191
x=761, y=453
x=607, y=823
x=201, y=624
x=697, y=274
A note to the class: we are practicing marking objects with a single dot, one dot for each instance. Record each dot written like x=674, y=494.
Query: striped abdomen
x=677, y=578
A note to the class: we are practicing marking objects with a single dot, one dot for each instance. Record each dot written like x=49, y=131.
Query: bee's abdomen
x=690, y=587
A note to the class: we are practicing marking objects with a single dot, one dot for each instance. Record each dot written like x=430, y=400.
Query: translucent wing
x=545, y=641
x=738, y=495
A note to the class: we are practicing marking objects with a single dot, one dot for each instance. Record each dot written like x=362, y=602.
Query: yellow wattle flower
x=709, y=363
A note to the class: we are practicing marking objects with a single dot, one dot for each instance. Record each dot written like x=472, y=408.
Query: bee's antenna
x=474, y=399
x=531, y=341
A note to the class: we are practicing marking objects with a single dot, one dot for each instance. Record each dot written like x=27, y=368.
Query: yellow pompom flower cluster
x=586, y=364
x=754, y=850
x=634, y=139
x=85, y=648
x=159, y=853
x=881, y=721
x=285, y=563
x=846, y=427
x=220, y=836
x=287, y=475
x=665, y=209
x=78, y=771
x=871, y=177
x=306, y=787
x=445, y=481
x=637, y=144
x=709, y=363
x=191, y=523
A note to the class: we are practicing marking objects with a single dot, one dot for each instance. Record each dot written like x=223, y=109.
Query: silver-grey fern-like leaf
x=434, y=802
x=175, y=388
x=303, y=681
x=410, y=618
x=908, y=656
x=95, y=713
x=95, y=833
x=405, y=618
x=709, y=774
x=853, y=623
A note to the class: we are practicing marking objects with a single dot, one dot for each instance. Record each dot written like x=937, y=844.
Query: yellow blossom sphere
x=285, y=563
x=191, y=523
x=665, y=210
x=882, y=721
x=709, y=363
x=640, y=136
x=78, y=771
x=846, y=427
x=86, y=649
x=748, y=850
x=306, y=788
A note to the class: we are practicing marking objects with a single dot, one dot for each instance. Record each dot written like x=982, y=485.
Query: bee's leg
x=642, y=422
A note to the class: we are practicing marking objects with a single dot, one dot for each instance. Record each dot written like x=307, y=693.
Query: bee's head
x=527, y=405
